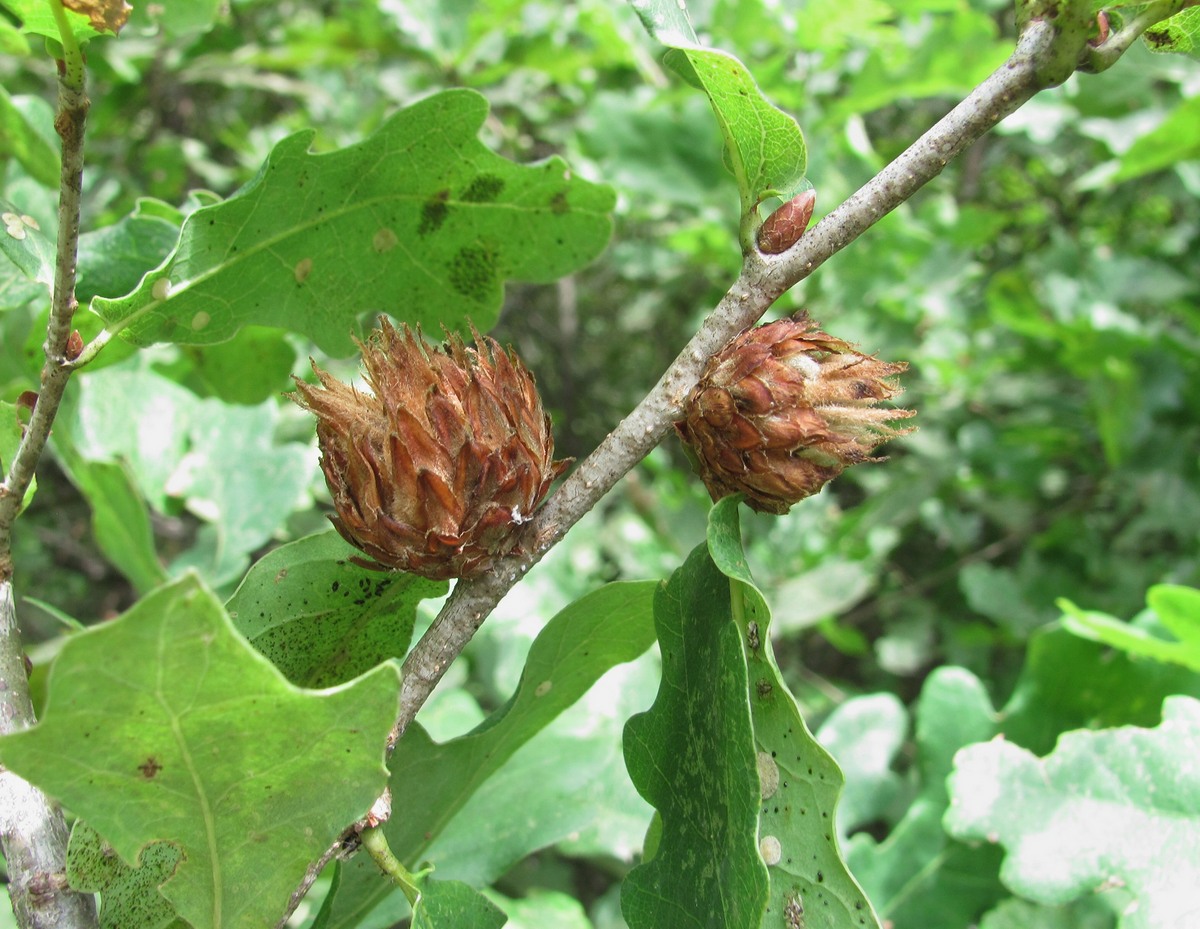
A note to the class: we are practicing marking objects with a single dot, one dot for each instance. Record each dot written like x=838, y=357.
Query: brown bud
x=784, y=408
x=784, y=227
x=434, y=471
x=74, y=345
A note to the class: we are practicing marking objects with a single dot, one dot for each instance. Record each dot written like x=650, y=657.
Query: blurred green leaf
x=1183, y=619
x=1070, y=683
x=764, y=148
x=1116, y=807
x=11, y=431
x=194, y=739
x=1021, y=914
x=26, y=245
x=120, y=521
x=129, y=897
x=917, y=877
x=21, y=140
x=865, y=734
x=322, y=619
x=1176, y=139
x=248, y=369
x=419, y=216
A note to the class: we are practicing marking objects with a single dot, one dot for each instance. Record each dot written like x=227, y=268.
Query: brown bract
x=784, y=408
x=435, y=471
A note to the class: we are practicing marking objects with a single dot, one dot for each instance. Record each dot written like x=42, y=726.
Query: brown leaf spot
x=150, y=768
x=384, y=240
x=103, y=15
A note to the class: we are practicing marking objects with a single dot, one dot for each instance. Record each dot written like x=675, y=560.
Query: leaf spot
x=384, y=240
x=150, y=768
x=473, y=272
x=434, y=213
x=768, y=775
x=302, y=270
x=484, y=189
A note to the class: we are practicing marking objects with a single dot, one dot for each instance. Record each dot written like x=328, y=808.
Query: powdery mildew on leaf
x=1115, y=808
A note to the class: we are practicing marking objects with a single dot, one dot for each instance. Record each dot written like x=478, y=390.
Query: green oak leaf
x=113, y=258
x=454, y=905
x=764, y=148
x=1179, y=33
x=803, y=781
x=420, y=220
x=692, y=756
x=321, y=618
x=129, y=897
x=433, y=781
x=1177, y=608
x=36, y=19
x=164, y=725
x=1116, y=807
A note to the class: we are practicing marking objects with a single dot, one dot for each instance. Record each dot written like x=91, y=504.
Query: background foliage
x=1044, y=290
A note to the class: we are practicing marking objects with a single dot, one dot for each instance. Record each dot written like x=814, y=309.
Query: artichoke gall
x=783, y=409
x=433, y=471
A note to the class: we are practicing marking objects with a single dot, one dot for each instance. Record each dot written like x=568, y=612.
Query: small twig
x=32, y=831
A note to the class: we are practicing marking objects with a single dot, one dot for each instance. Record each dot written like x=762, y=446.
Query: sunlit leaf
x=764, y=147
x=165, y=726
x=321, y=618
x=420, y=221
x=1118, y=807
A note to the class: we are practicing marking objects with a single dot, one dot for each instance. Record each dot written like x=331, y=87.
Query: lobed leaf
x=165, y=726
x=810, y=873
x=1118, y=807
x=36, y=19
x=322, y=619
x=692, y=756
x=129, y=897
x=420, y=221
